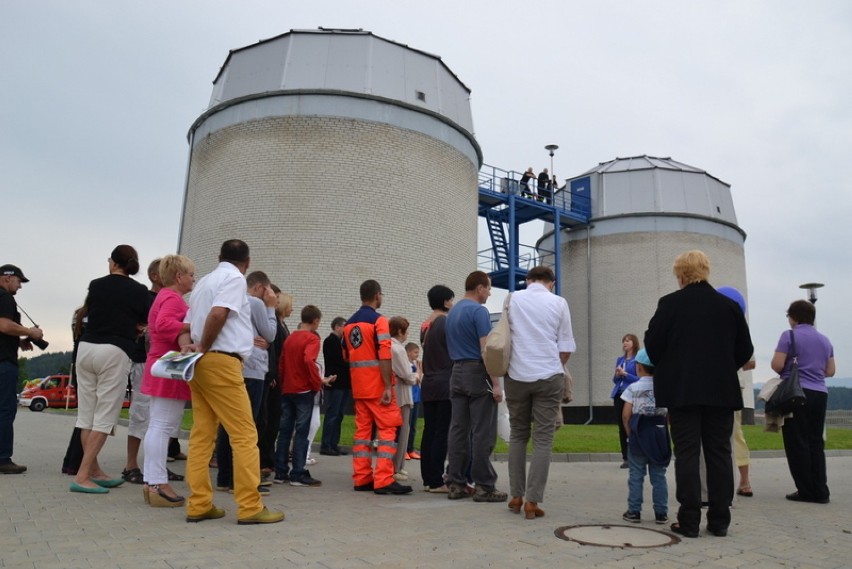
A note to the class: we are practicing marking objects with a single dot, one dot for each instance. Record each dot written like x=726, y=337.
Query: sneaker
x=400, y=477
x=483, y=494
x=661, y=518
x=457, y=491
x=265, y=516
x=414, y=455
x=634, y=517
x=305, y=480
x=310, y=461
x=12, y=468
x=264, y=490
x=281, y=479
x=393, y=488
x=224, y=488
x=329, y=452
x=341, y=452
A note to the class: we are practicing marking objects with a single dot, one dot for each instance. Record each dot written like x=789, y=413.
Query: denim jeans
x=337, y=400
x=296, y=411
x=8, y=409
x=224, y=456
x=639, y=463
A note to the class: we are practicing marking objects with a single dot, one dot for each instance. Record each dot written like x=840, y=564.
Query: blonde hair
x=692, y=267
x=173, y=265
x=285, y=301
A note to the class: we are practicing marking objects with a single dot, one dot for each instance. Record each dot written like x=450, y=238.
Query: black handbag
x=788, y=396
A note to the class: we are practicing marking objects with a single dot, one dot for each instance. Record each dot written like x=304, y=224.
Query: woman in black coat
x=698, y=339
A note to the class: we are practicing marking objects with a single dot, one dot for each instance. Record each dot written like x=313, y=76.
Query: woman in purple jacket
x=803, y=442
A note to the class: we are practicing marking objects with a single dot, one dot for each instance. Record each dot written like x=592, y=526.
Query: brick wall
x=325, y=203
x=630, y=272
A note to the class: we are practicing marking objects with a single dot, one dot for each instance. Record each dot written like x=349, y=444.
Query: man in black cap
x=11, y=333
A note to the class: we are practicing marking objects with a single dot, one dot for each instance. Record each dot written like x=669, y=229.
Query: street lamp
x=811, y=288
x=551, y=148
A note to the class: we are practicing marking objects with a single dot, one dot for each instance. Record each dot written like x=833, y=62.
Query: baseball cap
x=642, y=358
x=13, y=271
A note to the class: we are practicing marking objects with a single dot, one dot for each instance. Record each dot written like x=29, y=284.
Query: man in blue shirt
x=473, y=395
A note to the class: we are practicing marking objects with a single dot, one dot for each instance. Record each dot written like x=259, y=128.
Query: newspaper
x=175, y=365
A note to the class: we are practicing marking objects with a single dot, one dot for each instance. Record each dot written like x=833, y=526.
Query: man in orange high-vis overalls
x=367, y=348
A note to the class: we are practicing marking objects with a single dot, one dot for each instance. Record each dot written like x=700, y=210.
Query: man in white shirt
x=542, y=342
x=220, y=326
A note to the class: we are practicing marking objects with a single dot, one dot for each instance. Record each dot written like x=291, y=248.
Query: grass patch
x=580, y=438
x=604, y=438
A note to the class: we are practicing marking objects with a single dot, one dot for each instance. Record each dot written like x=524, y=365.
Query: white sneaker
x=400, y=477
x=311, y=461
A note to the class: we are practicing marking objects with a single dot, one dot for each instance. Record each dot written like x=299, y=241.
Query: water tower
x=644, y=212
x=338, y=156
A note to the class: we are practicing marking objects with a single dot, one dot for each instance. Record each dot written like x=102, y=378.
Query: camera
x=41, y=344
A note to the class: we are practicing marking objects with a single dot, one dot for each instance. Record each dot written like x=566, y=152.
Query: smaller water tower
x=645, y=211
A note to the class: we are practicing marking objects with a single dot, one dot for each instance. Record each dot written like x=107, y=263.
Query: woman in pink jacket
x=168, y=396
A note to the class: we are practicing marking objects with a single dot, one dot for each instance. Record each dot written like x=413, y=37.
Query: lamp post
x=811, y=288
x=551, y=148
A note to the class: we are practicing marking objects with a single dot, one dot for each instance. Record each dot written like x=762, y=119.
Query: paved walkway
x=42, y=525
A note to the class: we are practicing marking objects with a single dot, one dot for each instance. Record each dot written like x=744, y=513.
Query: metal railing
x=498, y=181
x=528, y=257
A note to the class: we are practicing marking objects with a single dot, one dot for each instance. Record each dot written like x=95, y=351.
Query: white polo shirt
x=540, y=323
x=224, y=287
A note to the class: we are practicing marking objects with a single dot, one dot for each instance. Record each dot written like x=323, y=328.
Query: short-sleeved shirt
x=225, y=287
x=814, y=350
x=9, y=344
x=467, y=322
x=641, y=395
x=117, y=305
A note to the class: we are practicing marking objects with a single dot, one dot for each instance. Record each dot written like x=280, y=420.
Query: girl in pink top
x=168, y=396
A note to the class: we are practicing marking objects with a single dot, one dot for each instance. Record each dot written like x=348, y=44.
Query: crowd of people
x=256, y=389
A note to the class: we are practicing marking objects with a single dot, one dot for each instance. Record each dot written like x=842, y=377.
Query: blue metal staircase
x=505, y=210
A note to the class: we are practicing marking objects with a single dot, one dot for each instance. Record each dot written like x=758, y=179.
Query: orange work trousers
x=386, y=418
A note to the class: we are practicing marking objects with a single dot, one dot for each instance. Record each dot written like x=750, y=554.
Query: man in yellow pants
x=220, y=327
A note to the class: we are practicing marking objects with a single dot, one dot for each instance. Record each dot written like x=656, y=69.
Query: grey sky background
x=96, y=98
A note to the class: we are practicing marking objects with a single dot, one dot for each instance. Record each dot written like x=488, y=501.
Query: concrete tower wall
x=630, y=272
x=327, y=202
x=338, y=156
x=645, y=212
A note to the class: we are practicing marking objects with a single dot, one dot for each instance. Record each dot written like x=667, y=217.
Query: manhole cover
x=616, y=536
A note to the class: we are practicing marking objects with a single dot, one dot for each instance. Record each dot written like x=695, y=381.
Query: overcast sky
x=96, y=98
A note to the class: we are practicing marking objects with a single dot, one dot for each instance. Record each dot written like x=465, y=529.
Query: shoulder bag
x=498, y=345
x=788, y=396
